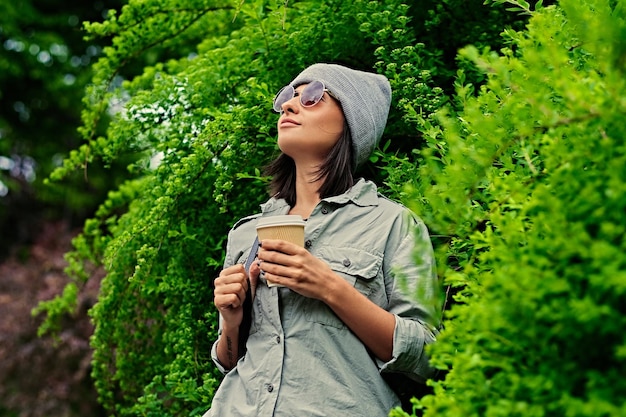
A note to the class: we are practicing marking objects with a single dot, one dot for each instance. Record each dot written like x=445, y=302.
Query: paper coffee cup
x=287, y=227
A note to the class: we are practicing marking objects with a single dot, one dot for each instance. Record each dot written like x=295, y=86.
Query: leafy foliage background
x=510, y=151
x=529, y=181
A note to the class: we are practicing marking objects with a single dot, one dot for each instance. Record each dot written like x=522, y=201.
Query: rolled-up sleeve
x=216, y=361
x=409, y=357
x=414, y=294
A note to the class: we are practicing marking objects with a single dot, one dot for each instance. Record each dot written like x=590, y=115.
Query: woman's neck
x=307, y=194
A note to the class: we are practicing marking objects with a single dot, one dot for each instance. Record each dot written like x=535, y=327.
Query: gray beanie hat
x=365, y=99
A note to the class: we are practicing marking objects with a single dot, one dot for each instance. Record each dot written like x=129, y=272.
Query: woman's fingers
x=281, y=252
x=230, y=287
x=228, y=301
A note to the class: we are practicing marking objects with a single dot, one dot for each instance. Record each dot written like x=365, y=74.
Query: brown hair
x=336, y=172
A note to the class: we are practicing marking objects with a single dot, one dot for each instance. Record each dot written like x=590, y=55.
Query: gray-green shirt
x=301, y=359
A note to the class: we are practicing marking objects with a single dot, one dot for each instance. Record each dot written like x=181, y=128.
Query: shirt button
x=270, y=388
x=346, y=262
x=277, y=339
x=325, y=210
x=308, y=244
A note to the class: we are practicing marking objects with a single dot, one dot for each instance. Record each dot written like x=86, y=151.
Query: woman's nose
x=292, y=105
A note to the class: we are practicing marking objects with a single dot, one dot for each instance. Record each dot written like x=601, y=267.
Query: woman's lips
x=288, y=122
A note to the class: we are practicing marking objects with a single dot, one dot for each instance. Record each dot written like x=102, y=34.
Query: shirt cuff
x=409, y=357
x=216, y=361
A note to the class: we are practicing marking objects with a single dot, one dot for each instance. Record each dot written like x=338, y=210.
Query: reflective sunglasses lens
x=285, y=94
x=312, y=94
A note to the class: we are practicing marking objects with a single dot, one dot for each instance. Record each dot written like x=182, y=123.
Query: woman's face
x=307, y=134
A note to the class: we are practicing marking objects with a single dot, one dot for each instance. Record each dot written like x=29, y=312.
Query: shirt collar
x=364, y=193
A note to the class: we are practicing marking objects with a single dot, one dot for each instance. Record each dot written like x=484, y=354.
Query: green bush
x=527, y=182
x=200, y=127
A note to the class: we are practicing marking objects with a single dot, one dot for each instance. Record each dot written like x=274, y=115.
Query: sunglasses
x=309, y=97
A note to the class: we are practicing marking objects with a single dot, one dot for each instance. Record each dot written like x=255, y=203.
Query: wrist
x=336, y=290
x=230, y=330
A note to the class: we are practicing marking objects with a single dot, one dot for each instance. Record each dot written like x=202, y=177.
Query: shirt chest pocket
x=360, y=268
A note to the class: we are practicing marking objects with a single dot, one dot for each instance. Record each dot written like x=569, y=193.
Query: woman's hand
x=294, y=267
x=229, y=294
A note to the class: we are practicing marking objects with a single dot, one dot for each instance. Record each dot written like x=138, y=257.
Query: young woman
x=345, y=313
